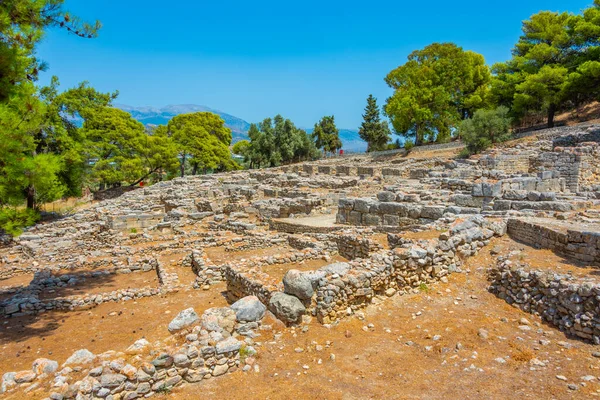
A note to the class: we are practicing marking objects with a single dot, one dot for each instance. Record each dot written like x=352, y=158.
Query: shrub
x=13, y=220
x=485, y=128
x=408, y=145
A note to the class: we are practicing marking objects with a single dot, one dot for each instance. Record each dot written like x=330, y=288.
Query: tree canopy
x=203, y=140
x=373, y=130
x=277, y=141
x=438, y=87
x=555, y=64
x=326, y=135
x=22, y=26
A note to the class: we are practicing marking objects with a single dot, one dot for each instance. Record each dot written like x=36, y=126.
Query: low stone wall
x=571, y=305
x=26, y=301
x=343, y=291
x=242, y=283
x=370, y=212
x=212, y=346
x=353, y=246
x=206, y=272
x=572, y=243
x=346, y=170
x=135, y=221
x=246, y=278
x=290, y=227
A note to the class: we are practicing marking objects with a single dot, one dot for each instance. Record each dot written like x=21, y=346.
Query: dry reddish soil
x=422, y=345
x=399, y=357
x=108, y=326
x=218, y=255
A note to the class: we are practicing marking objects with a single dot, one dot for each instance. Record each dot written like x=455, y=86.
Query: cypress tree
x=374, y=131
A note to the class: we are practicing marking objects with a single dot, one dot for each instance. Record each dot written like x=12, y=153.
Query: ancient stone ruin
x=304, y=244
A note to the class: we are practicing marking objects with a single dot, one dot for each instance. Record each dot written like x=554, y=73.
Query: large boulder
x=249, y=309
x=298, y=284
x=184, y=319
x=287, y=308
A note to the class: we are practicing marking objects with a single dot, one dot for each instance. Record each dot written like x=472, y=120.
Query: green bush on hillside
x=485, y=128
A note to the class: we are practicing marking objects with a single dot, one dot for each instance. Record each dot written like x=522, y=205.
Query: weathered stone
x=287, y=308
x=184, y=319
x=249, y=309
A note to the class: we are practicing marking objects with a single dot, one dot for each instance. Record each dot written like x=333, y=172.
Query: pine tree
x=374, y=131
x=326, y=135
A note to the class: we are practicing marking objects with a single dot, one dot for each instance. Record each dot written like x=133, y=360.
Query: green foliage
x=13, y=220
x=277, y=141
x=241, y=147
x=485, y=128
x=555, y=64
x=423, y=287
x=437, y=88
x=113, y=139
x=22, y=25
x=374, y=131
x=203, y=140
x=326, y=135
x=409, y=145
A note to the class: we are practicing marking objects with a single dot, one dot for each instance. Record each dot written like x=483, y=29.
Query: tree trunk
x=194, y=169
x=551, y=112
x=182, y=166
x=144, y=177
x=31, y=197
x=417, y=137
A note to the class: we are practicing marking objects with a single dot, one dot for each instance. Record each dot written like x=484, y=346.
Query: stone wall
x=135, y=221
x=370, y=212
x=246, y=278
x=212, y=346
x=207, y=273
x=27, y=301
x=342, y=291
x=579, y=245
x=291, y=227
x=571, y=305
x=353, y=246
x=506, y=163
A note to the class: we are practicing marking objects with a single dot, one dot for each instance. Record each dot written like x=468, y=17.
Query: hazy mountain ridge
x=149, y=115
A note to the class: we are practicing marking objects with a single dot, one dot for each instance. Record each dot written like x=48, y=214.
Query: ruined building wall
x=579, y=245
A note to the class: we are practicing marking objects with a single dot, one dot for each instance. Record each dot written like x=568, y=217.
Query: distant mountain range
x=239, y=128
x=160, y=116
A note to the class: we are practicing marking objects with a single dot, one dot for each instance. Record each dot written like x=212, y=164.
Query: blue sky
x=301, y=59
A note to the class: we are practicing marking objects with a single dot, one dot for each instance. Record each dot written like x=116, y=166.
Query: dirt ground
x=402, y=357
x=452, y=340
x=109, y=326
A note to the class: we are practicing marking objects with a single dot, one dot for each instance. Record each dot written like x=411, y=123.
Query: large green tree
x=22, y=26
x=554, y=64
x=434, y=90
x=278, y=141
x=61, y=135
x=373, y=130
x=26, y=174
x=202, y=140
x=326, y=135
x=112, y=145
